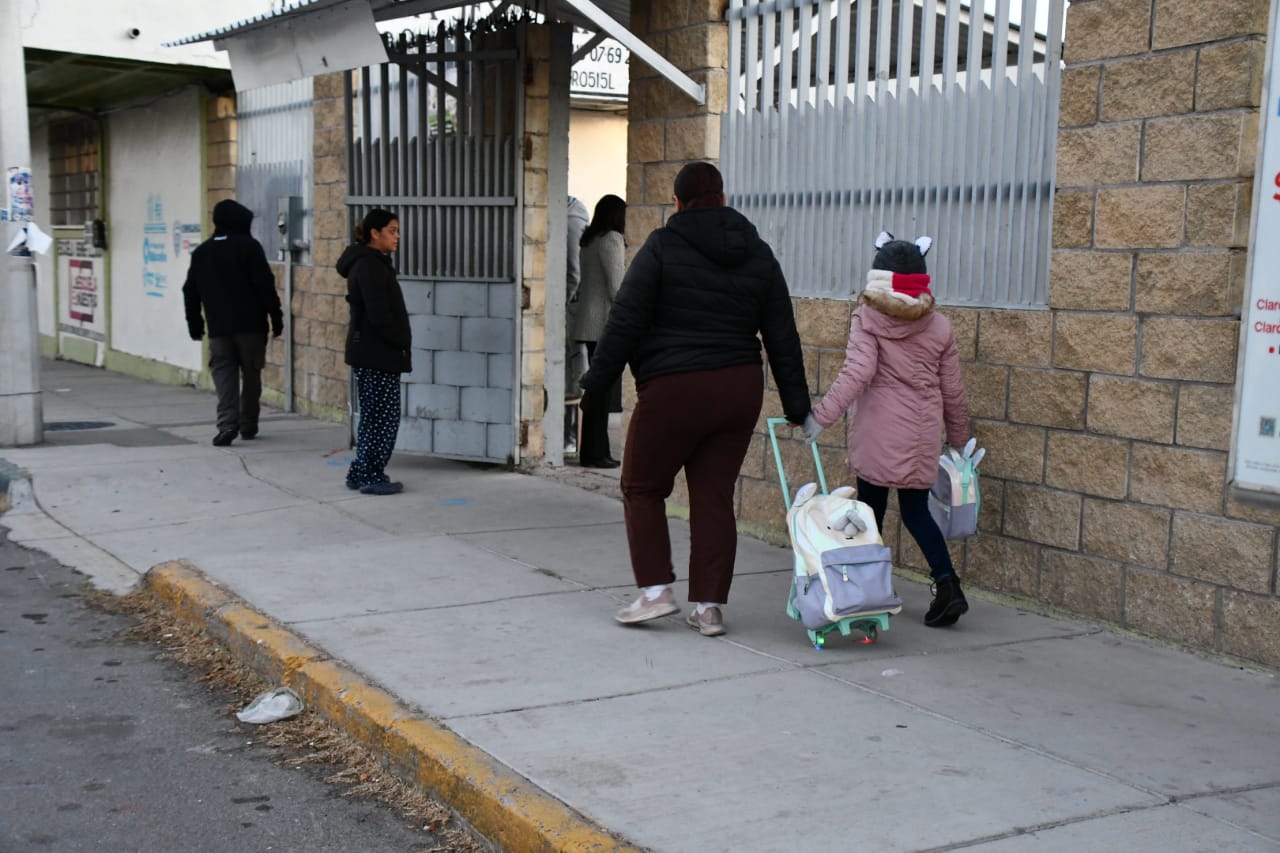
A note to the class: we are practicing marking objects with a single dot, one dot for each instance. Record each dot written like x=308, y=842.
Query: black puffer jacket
x=230, y=277
x=695, y=298
x=379, y=335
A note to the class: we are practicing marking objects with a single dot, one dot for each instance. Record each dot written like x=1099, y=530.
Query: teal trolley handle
x=773, y=424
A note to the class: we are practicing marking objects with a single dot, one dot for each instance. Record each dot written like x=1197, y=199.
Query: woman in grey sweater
x=602, y=262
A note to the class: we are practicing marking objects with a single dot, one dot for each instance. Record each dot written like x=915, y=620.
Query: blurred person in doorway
x=603, y=261
x=575, y=364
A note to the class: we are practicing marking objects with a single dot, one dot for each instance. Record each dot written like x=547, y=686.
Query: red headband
x=911, y=284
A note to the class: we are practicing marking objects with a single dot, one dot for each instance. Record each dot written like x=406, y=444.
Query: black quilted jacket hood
x=703, y=293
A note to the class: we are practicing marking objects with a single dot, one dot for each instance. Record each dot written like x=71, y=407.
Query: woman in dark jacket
x=378, y=343
x=700, y=295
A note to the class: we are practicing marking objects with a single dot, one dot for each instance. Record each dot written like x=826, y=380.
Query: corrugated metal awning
x=293, y=26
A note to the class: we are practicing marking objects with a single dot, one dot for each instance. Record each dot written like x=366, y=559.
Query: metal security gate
x=927, y=117
x=434, y=137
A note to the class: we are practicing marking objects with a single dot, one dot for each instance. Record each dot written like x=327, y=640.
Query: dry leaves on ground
x=307, y=739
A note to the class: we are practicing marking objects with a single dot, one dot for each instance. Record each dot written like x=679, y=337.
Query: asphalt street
x=103, y=747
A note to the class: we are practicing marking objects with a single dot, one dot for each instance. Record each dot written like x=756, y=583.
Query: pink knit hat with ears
x=898, y=270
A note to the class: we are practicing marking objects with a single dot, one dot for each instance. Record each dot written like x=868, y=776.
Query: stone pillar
x=667, y=128
x=533, y=317
x=220, y=153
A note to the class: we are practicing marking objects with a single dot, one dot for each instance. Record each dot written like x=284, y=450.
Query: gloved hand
x=590, y=401
x=277, y=326
x=971, y=453
x=196, y=331
x=812, y=429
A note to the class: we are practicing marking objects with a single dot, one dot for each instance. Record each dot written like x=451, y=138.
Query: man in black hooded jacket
x=229, y=276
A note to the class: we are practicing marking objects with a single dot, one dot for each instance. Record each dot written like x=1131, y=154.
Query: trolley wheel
x=872, y=632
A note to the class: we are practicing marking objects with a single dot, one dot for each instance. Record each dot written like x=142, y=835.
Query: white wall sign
x=603, y=73
x=1257, y=441
x=81, y=285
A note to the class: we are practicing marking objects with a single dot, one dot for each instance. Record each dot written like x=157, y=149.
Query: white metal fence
x=274, y=129
x=847, y=117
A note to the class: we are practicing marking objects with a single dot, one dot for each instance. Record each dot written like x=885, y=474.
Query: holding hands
x=812, y=429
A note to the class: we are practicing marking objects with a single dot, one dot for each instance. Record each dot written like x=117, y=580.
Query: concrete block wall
x=1108, y=417
x=470, y=339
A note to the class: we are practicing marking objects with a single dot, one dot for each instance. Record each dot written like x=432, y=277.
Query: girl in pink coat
x=901, y=385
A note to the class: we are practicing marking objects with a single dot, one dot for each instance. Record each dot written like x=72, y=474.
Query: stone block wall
x=1156, y=149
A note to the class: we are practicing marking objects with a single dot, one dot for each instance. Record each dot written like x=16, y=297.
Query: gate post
x=666, y=127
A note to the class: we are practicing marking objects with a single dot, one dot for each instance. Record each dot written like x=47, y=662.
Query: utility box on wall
x=289, y=214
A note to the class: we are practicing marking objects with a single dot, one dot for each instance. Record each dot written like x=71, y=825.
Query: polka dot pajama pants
x=379, y=395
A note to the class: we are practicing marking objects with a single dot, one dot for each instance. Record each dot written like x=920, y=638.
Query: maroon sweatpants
x=701, y=422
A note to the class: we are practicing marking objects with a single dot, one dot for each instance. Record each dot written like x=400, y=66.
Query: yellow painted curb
x=503, y=806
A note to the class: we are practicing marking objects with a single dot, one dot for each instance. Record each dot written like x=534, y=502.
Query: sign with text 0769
x=603, y=73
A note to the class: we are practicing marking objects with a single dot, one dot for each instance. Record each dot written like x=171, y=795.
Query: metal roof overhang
x=309, y=37
x=82, y=83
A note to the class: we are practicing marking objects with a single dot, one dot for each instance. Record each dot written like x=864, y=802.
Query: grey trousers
x=236, y=362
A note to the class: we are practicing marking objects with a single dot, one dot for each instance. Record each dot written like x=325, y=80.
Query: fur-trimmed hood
x=887, y=297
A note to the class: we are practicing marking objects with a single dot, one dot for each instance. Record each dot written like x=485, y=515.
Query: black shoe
x=249, y=434
x=949, y=603
x=599, y=463
x=389, y=488
x=224, y=437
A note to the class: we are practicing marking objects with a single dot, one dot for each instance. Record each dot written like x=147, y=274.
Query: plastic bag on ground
x=279, y=703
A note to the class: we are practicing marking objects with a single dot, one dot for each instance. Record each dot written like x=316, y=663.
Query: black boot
x=948, y=603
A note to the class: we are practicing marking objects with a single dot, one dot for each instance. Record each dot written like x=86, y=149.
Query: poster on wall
x=81, y=289
x=1256, y=452
x=19, y=200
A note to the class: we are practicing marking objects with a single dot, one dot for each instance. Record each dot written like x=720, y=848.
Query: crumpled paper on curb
x=279, y=703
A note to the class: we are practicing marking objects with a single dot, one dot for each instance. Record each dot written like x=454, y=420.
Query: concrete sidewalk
x=483, y=598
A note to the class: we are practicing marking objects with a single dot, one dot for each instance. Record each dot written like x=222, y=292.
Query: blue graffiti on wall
x=154, y=249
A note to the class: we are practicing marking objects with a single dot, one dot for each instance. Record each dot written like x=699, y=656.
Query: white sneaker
x=645, y=609
x=708, y=623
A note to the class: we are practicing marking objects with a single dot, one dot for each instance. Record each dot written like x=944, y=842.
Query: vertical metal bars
x=431, y=139
x=849, y=116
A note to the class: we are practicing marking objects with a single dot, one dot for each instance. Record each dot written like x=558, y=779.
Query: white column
x=21, y=419
x=557, y=237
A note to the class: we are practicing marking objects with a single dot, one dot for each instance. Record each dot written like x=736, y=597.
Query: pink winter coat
x=900, y=383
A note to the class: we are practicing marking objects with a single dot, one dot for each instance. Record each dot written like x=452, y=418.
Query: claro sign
x=602, y=73
x=1256, y=452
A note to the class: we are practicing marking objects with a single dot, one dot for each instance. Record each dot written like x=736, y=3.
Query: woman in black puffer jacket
x=378, y=342
x=698, y=299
